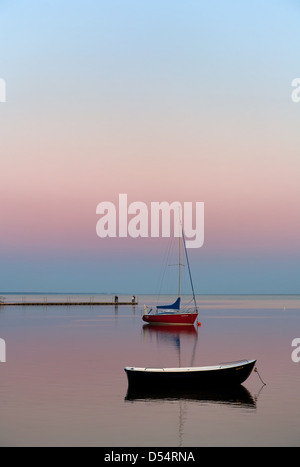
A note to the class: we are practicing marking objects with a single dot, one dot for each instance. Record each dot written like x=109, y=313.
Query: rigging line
x=188, y=263
x=164, y=269
x=179, y=260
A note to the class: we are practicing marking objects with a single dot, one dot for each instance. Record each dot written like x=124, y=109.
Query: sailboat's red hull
x=171, y=318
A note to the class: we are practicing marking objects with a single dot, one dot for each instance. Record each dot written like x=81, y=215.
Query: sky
x=187, y=101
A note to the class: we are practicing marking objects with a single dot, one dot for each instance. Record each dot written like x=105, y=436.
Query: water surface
x=64, y=384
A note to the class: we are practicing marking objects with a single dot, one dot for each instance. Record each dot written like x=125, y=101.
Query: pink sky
x=250, y=204
x=94, y=111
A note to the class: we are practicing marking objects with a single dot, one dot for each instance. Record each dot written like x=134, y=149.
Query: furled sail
x=174, y=306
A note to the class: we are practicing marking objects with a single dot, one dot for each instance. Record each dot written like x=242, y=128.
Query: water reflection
x=171, y=337
x=165, y=331
x=238, y=396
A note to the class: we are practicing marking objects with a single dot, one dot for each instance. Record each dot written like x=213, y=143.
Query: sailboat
x=173, y=314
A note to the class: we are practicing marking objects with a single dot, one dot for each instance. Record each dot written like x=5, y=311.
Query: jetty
x=91, y=302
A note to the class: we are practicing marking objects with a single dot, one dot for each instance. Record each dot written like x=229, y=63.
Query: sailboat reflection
x=162, y=330
x=234, y=396
x=172, y=336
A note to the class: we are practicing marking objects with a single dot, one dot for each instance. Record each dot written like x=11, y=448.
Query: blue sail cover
x=175, y=306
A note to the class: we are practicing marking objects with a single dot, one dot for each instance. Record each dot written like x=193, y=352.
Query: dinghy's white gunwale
x=191, y=369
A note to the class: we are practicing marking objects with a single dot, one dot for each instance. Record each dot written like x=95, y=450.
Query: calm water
x=63, y=383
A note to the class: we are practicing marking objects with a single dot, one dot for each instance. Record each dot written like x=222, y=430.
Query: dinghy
x=219, y=376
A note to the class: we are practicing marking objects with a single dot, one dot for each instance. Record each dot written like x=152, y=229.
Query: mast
x=187, y=260
x=179, y=264
x=179, y=237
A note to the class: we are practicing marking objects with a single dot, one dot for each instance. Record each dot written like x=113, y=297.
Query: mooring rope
x=256, y=371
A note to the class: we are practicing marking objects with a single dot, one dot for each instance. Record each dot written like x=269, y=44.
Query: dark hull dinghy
x=220, y=376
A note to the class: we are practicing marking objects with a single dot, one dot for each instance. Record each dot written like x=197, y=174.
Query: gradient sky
x=165, y=101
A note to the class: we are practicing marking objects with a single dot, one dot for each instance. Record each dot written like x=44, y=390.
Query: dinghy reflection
x=236, y=397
